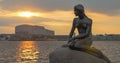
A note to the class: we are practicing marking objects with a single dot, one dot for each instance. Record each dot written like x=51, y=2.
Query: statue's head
x=79, y=10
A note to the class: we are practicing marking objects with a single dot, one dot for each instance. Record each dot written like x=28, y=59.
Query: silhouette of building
x=32, y=30
x=38, y=33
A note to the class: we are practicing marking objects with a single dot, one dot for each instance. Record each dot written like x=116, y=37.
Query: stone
x=66, y=55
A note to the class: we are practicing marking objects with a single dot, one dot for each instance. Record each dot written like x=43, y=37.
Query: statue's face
x=79, y=13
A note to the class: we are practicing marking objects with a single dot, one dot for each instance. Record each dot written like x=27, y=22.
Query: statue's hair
x=79, y=7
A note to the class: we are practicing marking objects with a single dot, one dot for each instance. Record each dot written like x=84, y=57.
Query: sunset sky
x=57, y=15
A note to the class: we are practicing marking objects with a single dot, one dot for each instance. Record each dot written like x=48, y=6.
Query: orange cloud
x=104, y=24
x=61, y=21
x=6, y=29
x=101, y=23
x=60, y=15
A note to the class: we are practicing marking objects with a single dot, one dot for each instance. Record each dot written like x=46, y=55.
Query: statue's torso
x=82, y=24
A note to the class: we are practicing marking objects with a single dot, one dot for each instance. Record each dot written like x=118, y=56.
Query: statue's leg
x=69, y=44
x=80, y=44
x=84, y=43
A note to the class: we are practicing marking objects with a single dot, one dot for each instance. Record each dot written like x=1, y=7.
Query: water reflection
x=28, y=52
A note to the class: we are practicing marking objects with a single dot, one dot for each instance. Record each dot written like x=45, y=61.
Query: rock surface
x=65, y=55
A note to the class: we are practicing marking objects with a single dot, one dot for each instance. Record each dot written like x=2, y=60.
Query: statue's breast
x=80, y=24
x=84, y=25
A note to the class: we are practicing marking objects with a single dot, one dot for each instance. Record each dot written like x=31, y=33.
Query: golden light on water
x=28, y=52
x=28, y=14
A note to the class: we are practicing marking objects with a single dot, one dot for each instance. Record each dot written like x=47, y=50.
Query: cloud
x=103, y=23
x=7, y=30
x=9, y=21
x=109, y=7
x=48, y=5
x=55, y=20
x=61, y=22
x=8, y=18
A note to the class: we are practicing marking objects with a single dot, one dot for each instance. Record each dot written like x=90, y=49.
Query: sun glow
x=28, y=14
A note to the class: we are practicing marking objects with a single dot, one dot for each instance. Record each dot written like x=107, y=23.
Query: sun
x=28, y=14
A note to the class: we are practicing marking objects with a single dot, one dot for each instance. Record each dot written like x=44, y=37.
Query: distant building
x=32, y=30
x=5, y=36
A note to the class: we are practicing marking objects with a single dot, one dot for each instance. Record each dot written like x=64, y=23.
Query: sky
x=58, y=15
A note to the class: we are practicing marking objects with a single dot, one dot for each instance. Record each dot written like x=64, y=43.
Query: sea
x=38, y=51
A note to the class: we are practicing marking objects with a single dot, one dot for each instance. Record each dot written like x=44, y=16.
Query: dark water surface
x=38, y=51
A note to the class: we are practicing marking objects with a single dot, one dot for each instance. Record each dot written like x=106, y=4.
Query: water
x=38, y=51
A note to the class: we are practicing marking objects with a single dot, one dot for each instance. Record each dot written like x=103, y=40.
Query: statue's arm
x=87, y=33
x=72, y=29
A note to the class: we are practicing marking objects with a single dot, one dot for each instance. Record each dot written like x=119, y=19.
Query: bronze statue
x=84, y=26
x=83, y=41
